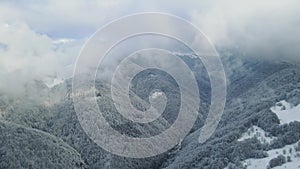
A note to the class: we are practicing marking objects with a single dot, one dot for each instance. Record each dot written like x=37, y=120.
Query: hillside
x=255, y=87
x=22, y=147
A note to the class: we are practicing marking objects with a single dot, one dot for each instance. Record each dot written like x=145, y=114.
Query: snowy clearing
x=287, y=151
x=257, y=132
x=286, y=112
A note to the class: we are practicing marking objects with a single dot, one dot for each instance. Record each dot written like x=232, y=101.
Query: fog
x=40, y=40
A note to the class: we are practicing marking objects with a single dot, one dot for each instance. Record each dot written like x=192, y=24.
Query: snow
x=156, y=94
x=291, y=165
x=263, y=162
x=53, y=82
x=286, y=112
x=191, y=55
x=257, y=132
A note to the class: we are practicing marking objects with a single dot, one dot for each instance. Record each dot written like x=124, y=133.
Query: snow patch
x=156, y=94
x=287, y=151
x=53, y=82
x=191, y=55
x=259, y=133
x=286, y=112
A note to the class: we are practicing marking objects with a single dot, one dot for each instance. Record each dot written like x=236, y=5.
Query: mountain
x=22, y=147
x=255, y=86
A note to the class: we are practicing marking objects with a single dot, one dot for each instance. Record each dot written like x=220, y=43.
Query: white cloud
x=39, y=38
x=269, y=28
x=30, y=56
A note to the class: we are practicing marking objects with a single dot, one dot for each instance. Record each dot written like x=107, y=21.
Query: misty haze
x=114, y=84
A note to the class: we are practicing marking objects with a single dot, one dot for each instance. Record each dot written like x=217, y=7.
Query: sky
x=42, y=39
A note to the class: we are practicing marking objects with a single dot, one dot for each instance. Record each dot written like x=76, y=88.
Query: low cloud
x=26, y=56
x=41, y=39
x=266, y=29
